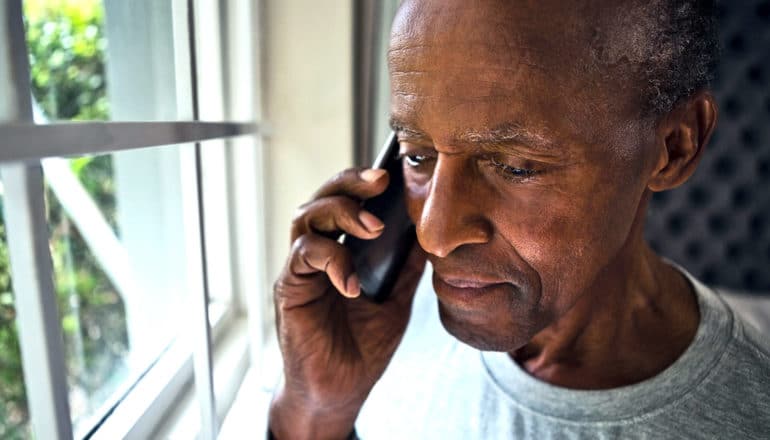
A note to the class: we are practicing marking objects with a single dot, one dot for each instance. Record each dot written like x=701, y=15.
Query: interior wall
x=307, y=99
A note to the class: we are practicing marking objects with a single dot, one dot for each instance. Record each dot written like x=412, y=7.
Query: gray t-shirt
x=437, y=387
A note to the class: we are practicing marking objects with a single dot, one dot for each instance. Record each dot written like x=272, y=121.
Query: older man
x=533, y=135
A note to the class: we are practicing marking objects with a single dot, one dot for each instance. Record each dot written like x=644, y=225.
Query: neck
x=637, y=318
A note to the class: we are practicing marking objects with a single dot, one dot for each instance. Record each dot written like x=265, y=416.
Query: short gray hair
x=689, y=39
x=671, y=46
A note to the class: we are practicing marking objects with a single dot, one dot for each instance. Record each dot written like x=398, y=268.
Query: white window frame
x=238, y=330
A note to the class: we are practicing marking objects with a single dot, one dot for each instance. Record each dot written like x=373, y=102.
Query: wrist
x=295, y=419
x=352, y=436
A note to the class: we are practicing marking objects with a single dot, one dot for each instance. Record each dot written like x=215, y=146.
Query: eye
x=510, y=172
x=415, y=160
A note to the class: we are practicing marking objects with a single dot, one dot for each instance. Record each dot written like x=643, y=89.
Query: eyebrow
x=497, y=138
x=400, y=126
x=509, y=134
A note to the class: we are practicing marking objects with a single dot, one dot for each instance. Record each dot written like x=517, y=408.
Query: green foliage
x=96, y=175
x=13, y=401
x=67, y=64
x=66, y=52
x=93, y=315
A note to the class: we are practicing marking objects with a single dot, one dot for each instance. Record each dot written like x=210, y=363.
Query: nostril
x=430, y=243
x=442, y=235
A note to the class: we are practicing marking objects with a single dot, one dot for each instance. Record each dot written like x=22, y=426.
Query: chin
x=497, y=317
x=491, y=333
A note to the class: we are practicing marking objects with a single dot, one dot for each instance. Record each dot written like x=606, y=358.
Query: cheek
x=568, y=238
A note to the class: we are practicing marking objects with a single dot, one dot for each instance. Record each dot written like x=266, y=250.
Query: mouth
x=467, y=283
x=464, y=290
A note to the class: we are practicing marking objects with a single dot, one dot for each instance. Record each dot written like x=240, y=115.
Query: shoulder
x=738, y=321
x=751, y=331
x=729, y=395
x=736, y=389
x=748, y=355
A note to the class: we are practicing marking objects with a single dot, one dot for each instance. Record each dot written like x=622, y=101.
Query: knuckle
x=303, y=252
x=298, y=252
x=342, y=206
x=341, y=203
x=279, y=296
x=278, y=287
x=339, y=177
x=335, y=183
x=299, y=247
x=281, y=286
x=298, y=217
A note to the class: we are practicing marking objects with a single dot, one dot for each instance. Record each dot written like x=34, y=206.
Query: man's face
x=524, y=171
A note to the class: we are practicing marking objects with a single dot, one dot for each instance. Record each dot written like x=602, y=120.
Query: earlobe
x=681, y=138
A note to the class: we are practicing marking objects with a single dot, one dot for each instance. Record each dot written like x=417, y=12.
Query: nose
x=453, y=211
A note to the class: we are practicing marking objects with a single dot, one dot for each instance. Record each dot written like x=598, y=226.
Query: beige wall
x=307, y=98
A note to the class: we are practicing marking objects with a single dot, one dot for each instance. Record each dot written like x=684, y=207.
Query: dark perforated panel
x=718, y=224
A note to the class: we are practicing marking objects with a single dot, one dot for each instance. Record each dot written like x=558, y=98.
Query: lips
x=464, y=290
x=467, y=283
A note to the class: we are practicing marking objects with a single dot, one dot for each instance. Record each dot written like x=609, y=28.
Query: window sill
x=231, y=362
x=162, y=404
x=249, y=411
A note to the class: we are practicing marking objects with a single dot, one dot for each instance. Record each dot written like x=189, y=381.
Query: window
x=121, y=281
x=373, y=20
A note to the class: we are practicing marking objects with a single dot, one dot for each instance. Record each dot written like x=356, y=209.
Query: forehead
x=492, y=62
x=492, y=24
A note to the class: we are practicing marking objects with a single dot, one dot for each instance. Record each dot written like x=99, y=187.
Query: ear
x=680, y=139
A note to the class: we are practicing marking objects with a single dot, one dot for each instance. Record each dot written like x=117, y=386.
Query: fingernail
x=372, y=174
x=352, y=286
x=372, y=223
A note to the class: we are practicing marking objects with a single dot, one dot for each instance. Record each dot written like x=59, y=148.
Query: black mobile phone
x=378, y=262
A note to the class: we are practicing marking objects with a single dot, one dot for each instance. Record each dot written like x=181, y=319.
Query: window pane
x=216, y=222
x=14, y=416
x=67, y=52
x=95, y=60
x=381, y=96
x=118, y=251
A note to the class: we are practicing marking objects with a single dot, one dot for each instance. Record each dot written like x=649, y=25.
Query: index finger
x=361, y=183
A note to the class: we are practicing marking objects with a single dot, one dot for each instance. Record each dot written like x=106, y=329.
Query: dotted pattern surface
x=717, y=225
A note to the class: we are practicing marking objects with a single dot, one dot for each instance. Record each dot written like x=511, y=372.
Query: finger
x=313, y=254
x=333, y=215
x=361, y=183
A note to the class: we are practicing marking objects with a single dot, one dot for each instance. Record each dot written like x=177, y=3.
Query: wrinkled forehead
x=552, y=34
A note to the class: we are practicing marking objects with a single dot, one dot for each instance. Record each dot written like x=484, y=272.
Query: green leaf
x=77, y=165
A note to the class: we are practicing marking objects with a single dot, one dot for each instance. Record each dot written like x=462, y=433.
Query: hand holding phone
x=358, y=337
x=379, y=261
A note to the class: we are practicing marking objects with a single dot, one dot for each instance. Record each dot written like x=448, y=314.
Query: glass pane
x=84, y=56
x=67, y=53
x=117, y=245
x=381, y=96
x=14, y=415
x=217, y=223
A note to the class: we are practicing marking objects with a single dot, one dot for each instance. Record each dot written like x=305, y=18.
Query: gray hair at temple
x=672, y=46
